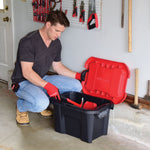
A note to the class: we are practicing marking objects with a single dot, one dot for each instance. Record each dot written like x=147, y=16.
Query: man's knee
x=41, y=105
x=77, y=87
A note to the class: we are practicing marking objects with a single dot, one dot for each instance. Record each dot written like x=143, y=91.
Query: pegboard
x=41, y=8
x=74, y=21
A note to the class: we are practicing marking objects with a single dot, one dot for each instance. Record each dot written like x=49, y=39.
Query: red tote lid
x=106, y=79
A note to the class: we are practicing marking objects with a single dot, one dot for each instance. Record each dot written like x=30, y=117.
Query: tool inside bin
x=83, y=101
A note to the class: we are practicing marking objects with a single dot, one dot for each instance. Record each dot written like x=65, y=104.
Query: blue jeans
x=35, y=99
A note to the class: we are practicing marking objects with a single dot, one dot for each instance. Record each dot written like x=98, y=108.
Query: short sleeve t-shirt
x=32, y=48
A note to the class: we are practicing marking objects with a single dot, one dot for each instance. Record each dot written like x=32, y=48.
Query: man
x=37, y=52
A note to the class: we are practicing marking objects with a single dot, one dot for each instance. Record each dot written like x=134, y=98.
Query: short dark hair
x=57, y=16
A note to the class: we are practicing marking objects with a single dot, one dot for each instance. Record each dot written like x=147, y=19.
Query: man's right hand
x=52, y=90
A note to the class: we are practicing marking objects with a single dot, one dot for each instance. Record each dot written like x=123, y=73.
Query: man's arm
x=59, y=68
x=34, y=78
x=31, y=75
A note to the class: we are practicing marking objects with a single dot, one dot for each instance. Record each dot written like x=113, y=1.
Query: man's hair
x=57, y=16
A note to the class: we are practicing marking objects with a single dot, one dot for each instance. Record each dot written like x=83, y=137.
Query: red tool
x=75, y=11
x=87, y=105
x=82, y=12
x=74, y=103
x=52, y=4
x=92, y=16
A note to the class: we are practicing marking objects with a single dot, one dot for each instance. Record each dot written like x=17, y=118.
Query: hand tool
x=82, y=12
x=122, y=15
x=74, y=103
x=39, y=2
x=66, y=12
x=147, y=96
x=52, y=4
x=43, y=3
x=15, y=86
x=35, y=4
x=60, y=1
x=75, y=11
x=92, y=16
x=136, y=104
x=87, y=105
x=129, y=25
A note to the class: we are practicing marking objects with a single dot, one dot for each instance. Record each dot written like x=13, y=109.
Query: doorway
x=6, y=40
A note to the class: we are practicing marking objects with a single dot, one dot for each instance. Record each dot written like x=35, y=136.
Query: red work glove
x=78, y=76
x=52, y=90
x=81, y=76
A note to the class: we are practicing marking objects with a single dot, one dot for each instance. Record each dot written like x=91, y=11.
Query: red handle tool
x=82, y=16
x=87, y=105
x=75, y=11
x=74, y=103
x=92, y=19
x=82, y=12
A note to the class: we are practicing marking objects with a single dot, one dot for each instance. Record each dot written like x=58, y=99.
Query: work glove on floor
x=52, y=90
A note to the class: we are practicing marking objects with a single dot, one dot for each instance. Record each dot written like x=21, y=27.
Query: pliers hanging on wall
x=82, y=12
x=75, y=11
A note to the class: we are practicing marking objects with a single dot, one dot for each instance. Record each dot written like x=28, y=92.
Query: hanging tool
x=92, y=16
x=39, y=2
x=43, y=3
x=129, y=25
x=60, y=1
x=35, y=4
x=82, y=12
x=75, y=11
x=147, y=96
x=122, y=15
x=136, y=103
x=52, y=4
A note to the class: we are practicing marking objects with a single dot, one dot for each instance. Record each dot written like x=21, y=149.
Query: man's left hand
x=81, y=76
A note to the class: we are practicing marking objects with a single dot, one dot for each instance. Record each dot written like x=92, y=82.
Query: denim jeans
x=35, y=99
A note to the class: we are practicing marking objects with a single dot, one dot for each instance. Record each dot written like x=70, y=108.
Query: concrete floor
x=42, y=136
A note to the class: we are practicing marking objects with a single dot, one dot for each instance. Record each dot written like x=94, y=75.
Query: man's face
x=54, y=31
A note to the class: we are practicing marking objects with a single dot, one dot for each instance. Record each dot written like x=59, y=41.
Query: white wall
x=23, y=20
x=111, y=42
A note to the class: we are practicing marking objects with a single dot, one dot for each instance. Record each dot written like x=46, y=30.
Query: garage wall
x=110, y=42
x=22, y=20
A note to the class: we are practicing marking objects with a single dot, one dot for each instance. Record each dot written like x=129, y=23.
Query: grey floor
x=42, y=136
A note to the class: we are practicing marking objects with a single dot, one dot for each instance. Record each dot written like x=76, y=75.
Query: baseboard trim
x=3, y=81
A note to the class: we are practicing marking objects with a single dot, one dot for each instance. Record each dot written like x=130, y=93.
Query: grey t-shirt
x=33, y=49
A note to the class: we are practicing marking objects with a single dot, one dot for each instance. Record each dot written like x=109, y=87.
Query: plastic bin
x=84, y=124
x=104, y=85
